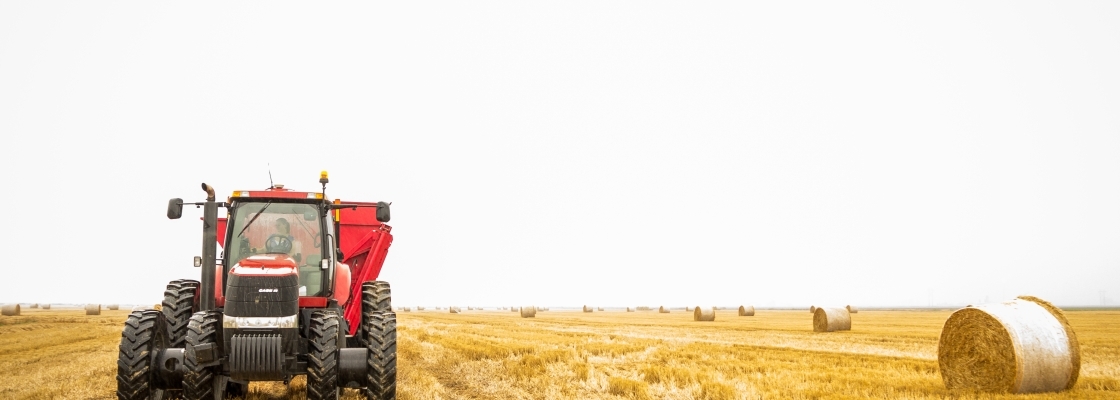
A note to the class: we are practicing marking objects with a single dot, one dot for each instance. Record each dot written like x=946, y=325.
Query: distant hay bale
x=699, y=314
x=528, y=312
x=46, y=306
x=812, y=309
x=852, y=309
x=113, y=307
x=746, y=311
x=419, y=308
x=514, y=309
x=10, y=310
x=689, y=309
x=454, y=310
x=1025, y=345
x=33, y=305
x=628, y=309
x=831, y=319
x=663, y=310
x=599, y=309
x=588, y=309
x=93, y=309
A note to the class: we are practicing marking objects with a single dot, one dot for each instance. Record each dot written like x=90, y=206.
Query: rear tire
x=200, y=380
x=178, y=306
x=381, y=369
x=376, y=299
x=322, y=356
x=140, y=339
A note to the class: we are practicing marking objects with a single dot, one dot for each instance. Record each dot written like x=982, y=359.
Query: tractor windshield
x=279, y=228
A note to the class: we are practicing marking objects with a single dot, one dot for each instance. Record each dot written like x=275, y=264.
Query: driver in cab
x=283, y=242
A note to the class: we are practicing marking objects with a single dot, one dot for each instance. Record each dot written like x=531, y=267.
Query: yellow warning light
x=323, y=177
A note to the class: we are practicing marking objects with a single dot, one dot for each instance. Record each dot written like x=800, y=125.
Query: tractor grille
x=256, y=357
x=262, y=296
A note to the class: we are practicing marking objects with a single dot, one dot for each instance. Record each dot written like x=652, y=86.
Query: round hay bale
x=454, y=310
x=831, y=319
x=812, y=309
x=10, y=310
x=419, y=308
x=746, y=311
x=46, y=306
x=689, y=309
x=1025, y=345
x=599, y=309
x=33, y=305
x=628, y=309
x=588, y=309
x=93, y=309
x=528, y=312
x=704, y=315
x=663, y=310
x=852, y=309
x=113, y=307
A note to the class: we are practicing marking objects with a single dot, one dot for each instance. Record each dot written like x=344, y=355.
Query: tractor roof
x=275, y=192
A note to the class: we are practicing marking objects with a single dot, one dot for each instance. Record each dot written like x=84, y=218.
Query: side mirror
x=174, y=208
x=382, y=211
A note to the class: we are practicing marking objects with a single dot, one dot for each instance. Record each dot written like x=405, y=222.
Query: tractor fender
x=342, y=283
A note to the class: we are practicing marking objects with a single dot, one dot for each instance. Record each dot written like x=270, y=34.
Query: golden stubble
x=63, y=354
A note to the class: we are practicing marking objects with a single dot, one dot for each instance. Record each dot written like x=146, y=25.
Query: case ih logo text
x=268, y=290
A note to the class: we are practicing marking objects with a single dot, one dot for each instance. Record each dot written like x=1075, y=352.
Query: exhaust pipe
x=209, y=250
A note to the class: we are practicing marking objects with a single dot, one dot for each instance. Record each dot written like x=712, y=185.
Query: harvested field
x=65, y=354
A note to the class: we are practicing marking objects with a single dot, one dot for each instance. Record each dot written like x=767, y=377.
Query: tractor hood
x=267, y=265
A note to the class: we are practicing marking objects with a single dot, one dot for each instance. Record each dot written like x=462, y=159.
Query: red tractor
x=294, y=292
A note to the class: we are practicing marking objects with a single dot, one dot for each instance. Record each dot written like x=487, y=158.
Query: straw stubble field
x=58, y=353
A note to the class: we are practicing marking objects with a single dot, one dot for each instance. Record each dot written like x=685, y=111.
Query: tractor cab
x=272, y=228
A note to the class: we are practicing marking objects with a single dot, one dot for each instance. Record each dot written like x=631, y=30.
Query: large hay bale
x=1025, y=345
x=704, y=315
x=528, y=312
x=10, y=310
x=831, y=319
x=812, y=309
x=113, y=307
x=93, y=309
x=746, y=311
x=663, y=310
x=588, y=309
x=46, y=306
x=852, y=309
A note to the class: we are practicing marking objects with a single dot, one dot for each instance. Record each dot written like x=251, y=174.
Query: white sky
x=580, y=152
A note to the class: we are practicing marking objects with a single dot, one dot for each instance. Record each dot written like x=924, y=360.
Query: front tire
x=140, y=339
x=201, y=378
x=381, y=368
x=322, y=356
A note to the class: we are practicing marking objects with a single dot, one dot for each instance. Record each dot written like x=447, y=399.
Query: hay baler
x=294, y=292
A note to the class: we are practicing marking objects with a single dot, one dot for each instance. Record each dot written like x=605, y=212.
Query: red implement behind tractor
x=294, y=292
